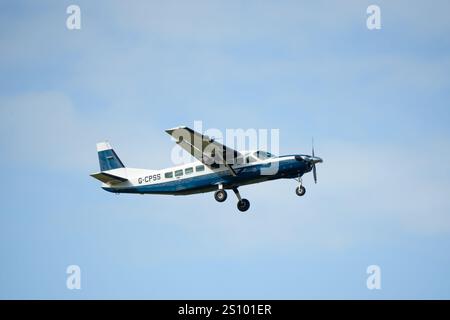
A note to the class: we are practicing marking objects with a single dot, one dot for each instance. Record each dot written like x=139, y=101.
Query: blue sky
x=376, y=102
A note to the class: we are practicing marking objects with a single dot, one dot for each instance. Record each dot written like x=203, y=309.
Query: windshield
x=263, y=155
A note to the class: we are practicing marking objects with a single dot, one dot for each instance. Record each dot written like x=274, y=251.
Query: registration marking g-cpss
x=148, y=179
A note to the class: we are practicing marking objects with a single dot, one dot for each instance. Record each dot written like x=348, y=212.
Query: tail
x=107, y=158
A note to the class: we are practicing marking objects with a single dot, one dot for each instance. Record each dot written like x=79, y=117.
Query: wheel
x=300, y=191
x=243, y=205
x=220, y=195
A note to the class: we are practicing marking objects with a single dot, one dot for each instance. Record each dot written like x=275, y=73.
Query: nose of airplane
x=308, y=158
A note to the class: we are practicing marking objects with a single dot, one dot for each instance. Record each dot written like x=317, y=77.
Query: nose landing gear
x=300, y=190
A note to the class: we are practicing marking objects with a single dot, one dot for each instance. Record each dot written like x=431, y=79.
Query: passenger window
x=188, y=170
x=200, y=168
x=178, y=173
x=168, y=175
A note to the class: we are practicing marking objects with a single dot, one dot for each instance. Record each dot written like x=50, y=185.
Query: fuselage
x=196, y=177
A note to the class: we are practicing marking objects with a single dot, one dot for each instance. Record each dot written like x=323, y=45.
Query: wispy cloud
x=376, y=103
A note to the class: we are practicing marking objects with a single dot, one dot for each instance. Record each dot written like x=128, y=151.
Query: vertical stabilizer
x=107, y=158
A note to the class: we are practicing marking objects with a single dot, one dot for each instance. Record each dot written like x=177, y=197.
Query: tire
x=300, y=191
x=220, y=195
x=243, y=205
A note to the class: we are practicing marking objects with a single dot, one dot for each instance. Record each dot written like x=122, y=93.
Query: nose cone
x=317, y=160
x=308, y=159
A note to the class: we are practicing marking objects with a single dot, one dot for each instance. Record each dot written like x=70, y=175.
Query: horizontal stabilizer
x=108, y=178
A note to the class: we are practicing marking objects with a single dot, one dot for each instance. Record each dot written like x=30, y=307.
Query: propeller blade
x=314, y=164
x=315, y=173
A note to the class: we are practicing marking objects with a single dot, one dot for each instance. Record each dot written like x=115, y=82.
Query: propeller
x=314, y=163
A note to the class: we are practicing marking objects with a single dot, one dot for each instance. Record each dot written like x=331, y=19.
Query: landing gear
x=220, y=195
x=243, y=204
x=300, y=190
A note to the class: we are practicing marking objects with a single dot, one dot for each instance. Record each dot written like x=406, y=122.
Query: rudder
x=107, y=158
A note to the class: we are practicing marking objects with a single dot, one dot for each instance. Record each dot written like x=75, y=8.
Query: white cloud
x=364, y=191
x=393, y=184
x=366, y=194
x=46, y=129
x=41, y=128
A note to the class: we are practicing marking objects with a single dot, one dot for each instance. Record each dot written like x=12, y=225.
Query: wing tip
x=176, y=128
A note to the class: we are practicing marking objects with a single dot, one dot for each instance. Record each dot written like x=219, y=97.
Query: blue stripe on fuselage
x=289, y=168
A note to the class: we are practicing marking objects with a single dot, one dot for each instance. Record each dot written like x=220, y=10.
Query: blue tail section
x=107, y=158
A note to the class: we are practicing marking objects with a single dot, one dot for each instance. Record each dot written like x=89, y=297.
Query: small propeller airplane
x=218, y=168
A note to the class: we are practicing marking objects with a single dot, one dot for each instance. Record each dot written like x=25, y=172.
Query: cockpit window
x=263, y=155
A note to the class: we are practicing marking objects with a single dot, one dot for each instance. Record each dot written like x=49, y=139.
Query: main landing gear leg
x=300, y=190
x=243, y=204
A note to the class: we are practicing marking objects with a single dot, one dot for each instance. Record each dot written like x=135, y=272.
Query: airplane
x=217, y=168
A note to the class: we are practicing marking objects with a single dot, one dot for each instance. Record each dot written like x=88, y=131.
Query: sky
x=375, y=101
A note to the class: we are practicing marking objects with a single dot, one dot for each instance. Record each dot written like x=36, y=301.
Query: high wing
x=204, y=148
